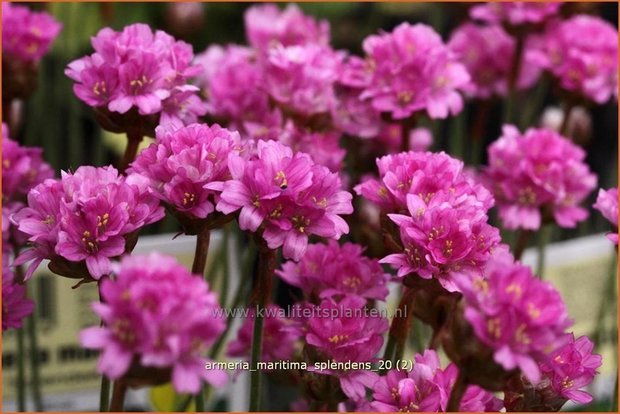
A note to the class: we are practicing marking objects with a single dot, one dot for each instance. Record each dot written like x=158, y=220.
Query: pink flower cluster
x=487, y=53
x=15, y=305
x=426, y=388
x=333, y=270
x=347, y=337
x=267, y=25
x=515, y=13
x=444, y=229
x=582, y=53
x=279, y=339
x=285, y=196
x=571, y=367
x=607, y=204
x=156, y=312
x=85, y=216
x=411, y=70
x=521, y=318
x=22, y=169
x=539, y=175
x=27, y=35
x=137, y=68
x=183, y=162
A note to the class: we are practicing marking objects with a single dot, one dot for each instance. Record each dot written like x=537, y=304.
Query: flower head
x=581, y=53
x=136, y=68
x=27, y=35
x=519, y=317
x=157, y=312
x=183, y=162
x=515, y=13
x=267, y=25
x=22, y=168
x=487, y=53
x=278, y=340
x=607, y=204
x=328, y=270
x=15, y=305
x=288, y=195
x=538, y=174
x=413, y=71
x=86, y=216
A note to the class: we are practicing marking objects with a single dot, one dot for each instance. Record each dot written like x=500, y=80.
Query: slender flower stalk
x=34, y=362
x=21, y=371
x=133, y=142
x=260, y=295
x=118, y=396
x=458, y=390
x=104, y=394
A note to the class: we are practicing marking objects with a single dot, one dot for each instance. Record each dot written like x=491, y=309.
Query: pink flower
x=183, y=161
x=156, y=311
x=287, y=194
x=607, y=204
x=515, y=13
x=301, y=78
x=86, y=216
x=420, y=139
x=570, y=368
x=27, y=35
x=328, y=270
x=137, y=68
x=538, y=174
x=581, y=53
x=233, y=81
x=322, y=146
x=487, y=53
x=15, y=305
x=413, y=71
x=266, y=25
x=519, y=317
x=22, y=168
x=352, y=336
x=426, y=388
x=353, y=115
x=278, y=339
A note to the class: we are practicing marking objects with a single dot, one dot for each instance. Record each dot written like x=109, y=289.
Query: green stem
x=21, y=378
x=118, y=396
x=183, y=404
x=203, y=239
x=513, y=78
x=521, y=244
x=544, y=237
x=104, y=394
x=34, y=363
x=200, y=402
x=225, y=265
x=397, y=335
x=261, y=294
x=133, y=142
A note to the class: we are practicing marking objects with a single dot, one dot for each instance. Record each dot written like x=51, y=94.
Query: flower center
x=527, y=196
x=138, y=85
x=90, y=245
x=300, y=223
x=188, y=199
x=99, y=88
x=123, y=332
x=336, y=339
x=280, y=180
x=494, y=328
x=102, y=221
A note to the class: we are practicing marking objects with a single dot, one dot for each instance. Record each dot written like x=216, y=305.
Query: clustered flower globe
x=157, y=314
x=537, y=177
x=87, y=217
x=607, y=204
x=515, y=13
x=141, y=70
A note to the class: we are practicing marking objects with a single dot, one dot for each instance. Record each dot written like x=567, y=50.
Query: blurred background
x=67, y=131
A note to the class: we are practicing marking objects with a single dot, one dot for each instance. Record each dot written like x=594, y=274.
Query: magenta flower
x=156, y=312
x=323, y=147
x=487, y=53
x=15, y=305
x=328, y=270
x=519, y=317
x=22, y=168
x=232, y=81
x=266, y=25
x=515, y=13
x=185, y=160
x=607, y=204
x=413, y=71
x=27, y=35
x=87, y=217
x=352, y=335
x=279, y=341
x=139, y=69
x=581, y=53
x=571, y=367
x=286, y=194
x=301, y=78
x=536, y=176
x=426, y=388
